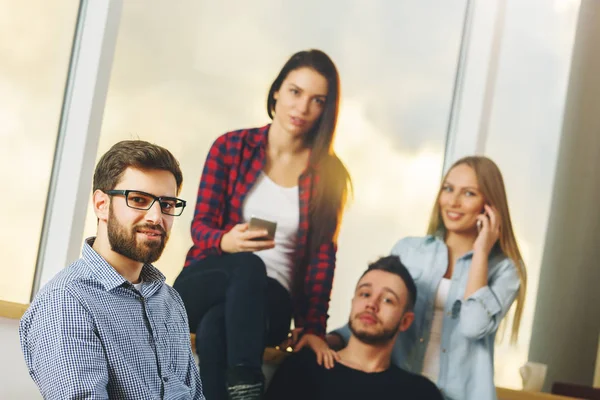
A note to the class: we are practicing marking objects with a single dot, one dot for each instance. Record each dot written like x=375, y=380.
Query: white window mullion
x=475, y=80
x=77, y=143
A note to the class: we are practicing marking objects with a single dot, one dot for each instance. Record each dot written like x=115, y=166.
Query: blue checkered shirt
x=89, y=334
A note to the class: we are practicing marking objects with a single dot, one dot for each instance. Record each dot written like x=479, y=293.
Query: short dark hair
x=393, y=265
x=133, y=154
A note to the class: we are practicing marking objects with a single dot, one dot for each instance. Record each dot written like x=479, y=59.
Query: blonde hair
x=491, y=186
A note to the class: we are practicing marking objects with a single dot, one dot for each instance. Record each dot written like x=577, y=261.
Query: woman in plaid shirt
x=240, y=289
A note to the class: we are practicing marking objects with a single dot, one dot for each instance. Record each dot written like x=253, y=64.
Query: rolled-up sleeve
x=319, y=283
x=64, y=355
x=210, y=200
x=192, y=378
x=482, y=312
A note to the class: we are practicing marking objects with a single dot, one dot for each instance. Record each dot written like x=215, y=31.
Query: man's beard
x=125, y=243
x=383, y=336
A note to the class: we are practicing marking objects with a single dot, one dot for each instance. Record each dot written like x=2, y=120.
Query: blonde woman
x=468, y=271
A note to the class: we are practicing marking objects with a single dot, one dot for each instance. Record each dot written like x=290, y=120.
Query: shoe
x=245, y=383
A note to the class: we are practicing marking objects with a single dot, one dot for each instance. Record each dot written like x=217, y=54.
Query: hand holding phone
x=483, y=215
x=488, y=228
x=241, y=238
x=259, y=224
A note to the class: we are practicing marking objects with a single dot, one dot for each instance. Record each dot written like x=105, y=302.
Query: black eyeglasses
x=144, y=201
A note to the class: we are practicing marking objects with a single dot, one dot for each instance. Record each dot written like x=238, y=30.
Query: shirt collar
x=258, y=137
x=108, y=276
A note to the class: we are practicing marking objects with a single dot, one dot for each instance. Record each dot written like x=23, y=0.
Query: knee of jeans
x=211, y=329
x=251, y=268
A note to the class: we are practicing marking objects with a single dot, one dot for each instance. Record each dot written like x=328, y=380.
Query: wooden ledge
x=510, y=394
x=12, y=310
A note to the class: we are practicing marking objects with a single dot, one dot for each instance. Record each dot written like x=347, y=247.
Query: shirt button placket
x=154, y=341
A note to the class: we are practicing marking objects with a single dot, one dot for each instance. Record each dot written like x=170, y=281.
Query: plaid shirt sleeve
x=62, y=352
x=319, y=280
x=210, y=202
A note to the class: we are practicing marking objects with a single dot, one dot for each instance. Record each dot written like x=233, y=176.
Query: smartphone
x=479, y=223
x=256, y=224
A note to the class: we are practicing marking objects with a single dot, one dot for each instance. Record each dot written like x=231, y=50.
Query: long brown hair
x=491, y=185
x=330, y=191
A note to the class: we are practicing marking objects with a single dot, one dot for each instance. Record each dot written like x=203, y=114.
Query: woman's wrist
x=224, y=244
x=482, y=250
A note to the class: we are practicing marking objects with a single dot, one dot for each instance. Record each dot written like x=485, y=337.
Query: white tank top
x=268, y=200
x=431, y=363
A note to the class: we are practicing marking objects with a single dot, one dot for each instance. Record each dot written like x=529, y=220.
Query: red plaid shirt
x=232, y=167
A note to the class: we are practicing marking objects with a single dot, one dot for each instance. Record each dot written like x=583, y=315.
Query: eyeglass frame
x=125, y=193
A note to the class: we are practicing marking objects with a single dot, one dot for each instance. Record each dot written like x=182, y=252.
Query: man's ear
x=101, y=203
x=407, y=320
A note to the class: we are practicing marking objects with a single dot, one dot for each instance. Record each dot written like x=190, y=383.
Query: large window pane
x=186, y=72
x=524, y=134
x=35, y=45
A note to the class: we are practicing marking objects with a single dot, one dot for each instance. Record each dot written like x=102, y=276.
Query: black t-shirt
x=300, y=377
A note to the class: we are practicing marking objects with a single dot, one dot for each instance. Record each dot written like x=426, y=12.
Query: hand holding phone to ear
x=488, y=223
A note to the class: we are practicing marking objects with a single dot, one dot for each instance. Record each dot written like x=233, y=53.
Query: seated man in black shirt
x=381, y=309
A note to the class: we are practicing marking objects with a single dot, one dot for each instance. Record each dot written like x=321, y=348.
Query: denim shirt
x=469, y=325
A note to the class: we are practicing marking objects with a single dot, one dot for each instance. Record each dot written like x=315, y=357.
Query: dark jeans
x=235, y=311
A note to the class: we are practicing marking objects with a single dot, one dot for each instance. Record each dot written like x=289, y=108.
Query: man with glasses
x=108, y=326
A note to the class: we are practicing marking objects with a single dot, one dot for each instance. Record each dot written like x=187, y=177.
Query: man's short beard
x=125, y=243
x=379, y=338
